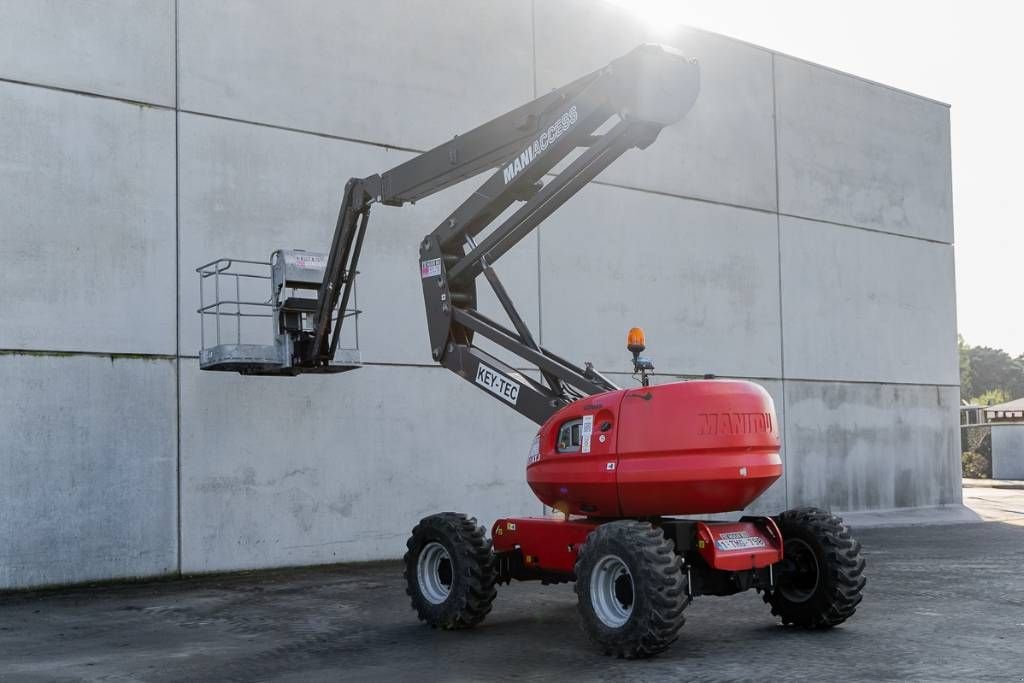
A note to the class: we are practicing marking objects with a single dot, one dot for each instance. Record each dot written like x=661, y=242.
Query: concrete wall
x=1008, y=451
x=795, y=229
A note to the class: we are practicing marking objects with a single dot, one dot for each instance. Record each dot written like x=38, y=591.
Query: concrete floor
x=942, y=602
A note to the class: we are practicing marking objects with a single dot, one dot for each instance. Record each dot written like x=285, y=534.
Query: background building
x=795, y=229
x=1007, y=444
x=1011, y=411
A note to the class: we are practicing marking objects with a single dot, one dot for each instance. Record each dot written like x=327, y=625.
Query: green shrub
x=976, y=465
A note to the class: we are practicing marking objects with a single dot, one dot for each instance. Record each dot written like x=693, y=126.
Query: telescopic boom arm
x=604, y=114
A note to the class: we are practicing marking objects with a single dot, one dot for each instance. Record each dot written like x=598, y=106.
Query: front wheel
x=631, y=589
x=449, y=571
x=819, y=581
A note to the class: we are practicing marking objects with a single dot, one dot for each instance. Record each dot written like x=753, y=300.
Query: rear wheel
x=631, y=589
x=449, y=571
x=819, y=582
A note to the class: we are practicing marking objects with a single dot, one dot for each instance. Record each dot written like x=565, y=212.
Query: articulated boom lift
x=617, y=464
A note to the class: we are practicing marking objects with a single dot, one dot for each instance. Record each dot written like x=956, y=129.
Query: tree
x=966, y=381
x=992, y=397
x=992, y=369
x=987, y=374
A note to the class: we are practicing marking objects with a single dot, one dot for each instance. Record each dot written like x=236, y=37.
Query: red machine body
x=682, y=448
x=545, y=543
x=751, y=543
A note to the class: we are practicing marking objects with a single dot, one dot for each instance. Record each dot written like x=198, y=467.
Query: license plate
x=740, y=543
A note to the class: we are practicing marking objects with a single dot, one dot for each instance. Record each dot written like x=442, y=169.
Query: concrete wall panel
x=331, y=469
x=87, y=470
x=404, y=73
x=120, y=48
x=87, y=223
x=862, y=154
x=872, y=446
x=700, y=278
x=324, y=469
x=1008, y=451
x=723, y=150
x=864, y=306
x=247, y=190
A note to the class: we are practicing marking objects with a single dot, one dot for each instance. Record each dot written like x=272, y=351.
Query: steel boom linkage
x=606, y=113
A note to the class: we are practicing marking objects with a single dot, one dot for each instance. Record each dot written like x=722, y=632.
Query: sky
x=967, y=54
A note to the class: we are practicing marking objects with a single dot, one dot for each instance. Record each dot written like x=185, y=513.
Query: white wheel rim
x=611, y=591
x=434, y=573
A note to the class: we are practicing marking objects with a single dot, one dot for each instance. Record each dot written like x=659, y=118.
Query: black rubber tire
x=833, y=597
x=659, y=593
x=472, y=571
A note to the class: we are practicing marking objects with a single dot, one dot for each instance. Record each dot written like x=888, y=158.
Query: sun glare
x=657, y=14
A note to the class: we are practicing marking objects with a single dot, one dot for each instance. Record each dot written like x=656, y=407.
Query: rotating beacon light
x=635, y=344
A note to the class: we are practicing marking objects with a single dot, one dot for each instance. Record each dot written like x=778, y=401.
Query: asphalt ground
x=942, y=603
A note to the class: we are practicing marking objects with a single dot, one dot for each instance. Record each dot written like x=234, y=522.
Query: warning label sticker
x=430, y=268
x=534, y=451
x=497, y=383
x=586, y=431
x=307, y=261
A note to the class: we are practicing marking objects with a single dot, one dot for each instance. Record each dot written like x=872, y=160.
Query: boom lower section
x=598, y=118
